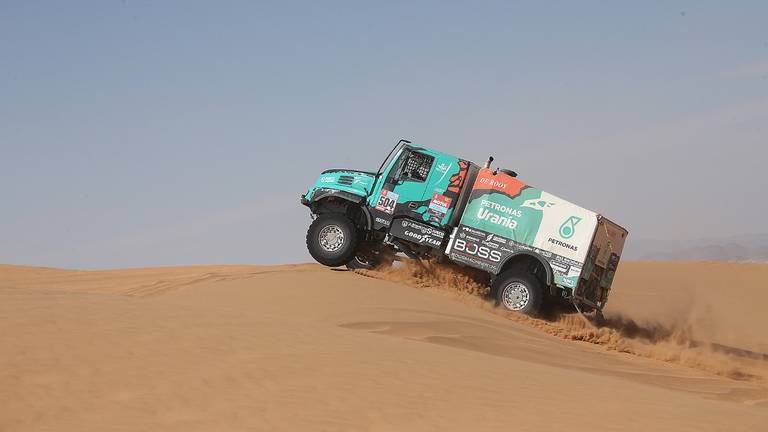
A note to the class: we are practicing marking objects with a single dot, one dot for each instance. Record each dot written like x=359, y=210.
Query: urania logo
x=568, y=228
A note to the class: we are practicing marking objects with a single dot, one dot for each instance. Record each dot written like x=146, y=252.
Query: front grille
x=346, y=180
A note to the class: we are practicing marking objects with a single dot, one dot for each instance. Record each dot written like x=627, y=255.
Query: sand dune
x=302, y=347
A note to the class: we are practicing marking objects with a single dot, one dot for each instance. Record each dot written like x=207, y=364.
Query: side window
x=397, y=168
x=417, y=167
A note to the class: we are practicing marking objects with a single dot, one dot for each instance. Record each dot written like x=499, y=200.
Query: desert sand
x=302, y=347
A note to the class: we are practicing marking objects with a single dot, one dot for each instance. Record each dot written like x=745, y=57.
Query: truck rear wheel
x=519, y=292
x=332, y=239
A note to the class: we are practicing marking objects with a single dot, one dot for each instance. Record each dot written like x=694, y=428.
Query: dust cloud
x=671, y=340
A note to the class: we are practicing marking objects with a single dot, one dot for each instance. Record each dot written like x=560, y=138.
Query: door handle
x=413, y=205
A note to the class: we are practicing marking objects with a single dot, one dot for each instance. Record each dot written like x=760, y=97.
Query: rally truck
x=532, y=246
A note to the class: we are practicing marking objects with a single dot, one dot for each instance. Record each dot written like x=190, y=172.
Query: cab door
x=402, y=192
x=441, y=194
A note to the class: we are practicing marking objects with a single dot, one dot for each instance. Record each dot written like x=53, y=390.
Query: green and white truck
x=532, y=246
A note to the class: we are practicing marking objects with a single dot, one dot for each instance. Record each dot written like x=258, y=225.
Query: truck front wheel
x=332, y=239
x=519, y=292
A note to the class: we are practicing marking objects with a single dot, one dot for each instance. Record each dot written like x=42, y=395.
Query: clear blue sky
x=138, y=133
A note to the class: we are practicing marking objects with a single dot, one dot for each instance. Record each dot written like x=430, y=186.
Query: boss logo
x=477, y=250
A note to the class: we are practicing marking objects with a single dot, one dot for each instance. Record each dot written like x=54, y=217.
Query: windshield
x=391, y=155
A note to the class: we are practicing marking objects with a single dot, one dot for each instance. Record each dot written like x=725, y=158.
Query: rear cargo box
x=601, y=263
x=505, y=216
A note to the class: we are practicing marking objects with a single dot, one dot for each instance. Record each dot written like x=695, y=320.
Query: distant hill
x=741, y=248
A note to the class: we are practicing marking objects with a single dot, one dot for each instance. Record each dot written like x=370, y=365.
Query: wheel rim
x=331, y=238
x=515, y=296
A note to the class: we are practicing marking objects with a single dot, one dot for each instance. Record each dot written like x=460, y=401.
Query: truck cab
x=411, y=202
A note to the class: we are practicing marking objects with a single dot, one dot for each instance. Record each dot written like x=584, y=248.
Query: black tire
x=383, y=258
x=600, y=320
x=362, y=263
x=338, y=228
x=518, y=291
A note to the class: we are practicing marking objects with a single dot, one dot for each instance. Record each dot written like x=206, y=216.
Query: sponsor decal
x=438, y=207
x=502, y=208
x=563, y=244
x=327, y=179
x=493, y=182
x=499, y=239
x=488, y=251
x=387, y=201
x=474, y=262
x=417, y=232
x=487, y=215
x=560, y=267
x=537, y=204
x=498, y=214
x=474, y=249
x=507, y=207
x=568, y=228
x=479, y=249
x=566, y=281
x=500, y=182
x=474, y=231
x=443, y=167
x=382, y=221
x=493, y=241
